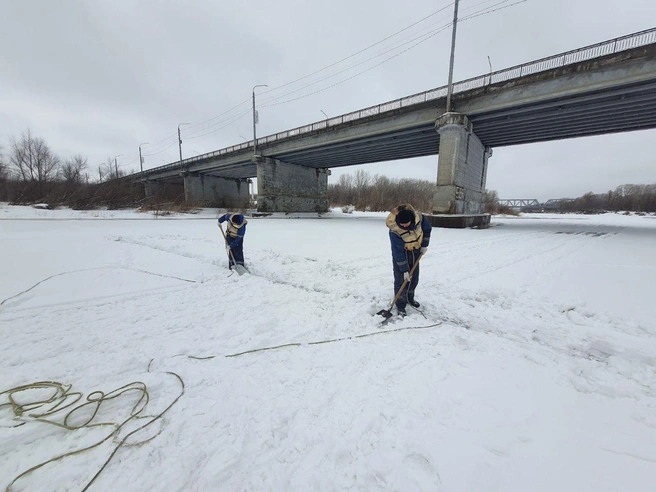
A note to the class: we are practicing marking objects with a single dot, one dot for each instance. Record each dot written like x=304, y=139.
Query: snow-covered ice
x=535, y=368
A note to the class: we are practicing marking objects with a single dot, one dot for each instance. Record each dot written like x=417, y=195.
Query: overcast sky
x=98, y=77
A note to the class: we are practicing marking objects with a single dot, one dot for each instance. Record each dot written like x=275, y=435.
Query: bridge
x=520, y=203
x=603, y=88
x=533, y=204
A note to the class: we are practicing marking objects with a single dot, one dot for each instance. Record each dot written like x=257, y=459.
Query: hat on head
x=237, y=219
x=405, y=216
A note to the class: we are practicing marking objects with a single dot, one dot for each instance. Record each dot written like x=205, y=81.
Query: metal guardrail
x=624, y=43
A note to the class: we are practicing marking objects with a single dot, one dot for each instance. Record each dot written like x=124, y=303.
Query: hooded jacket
x=411, y=238
x=235, y=232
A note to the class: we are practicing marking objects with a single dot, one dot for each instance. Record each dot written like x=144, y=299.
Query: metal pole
x=324, y=113
x=453, y=52
x=255, y=120
x=254, y=130
x=141, y=158
x=180, y=142
x=116, y=165
x=180, y=147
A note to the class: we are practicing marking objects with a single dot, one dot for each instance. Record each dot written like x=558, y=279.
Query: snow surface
x=536, y=370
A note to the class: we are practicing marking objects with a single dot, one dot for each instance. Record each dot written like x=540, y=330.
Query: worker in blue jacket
x=236, y=229
x=409, y=235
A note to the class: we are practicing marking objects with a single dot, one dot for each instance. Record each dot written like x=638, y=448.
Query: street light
x=116, y=164
x=141, y=158
x=449, y=90
x=180, y=143
x=255, y=120
x=324, y=113
x=245, y=139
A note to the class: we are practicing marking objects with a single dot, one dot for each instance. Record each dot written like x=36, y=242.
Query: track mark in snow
x=635, y=456
x=422, y=471
x=108, y=269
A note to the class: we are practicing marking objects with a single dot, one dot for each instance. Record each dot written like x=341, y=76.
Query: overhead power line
x=199, y=132
x=484, y=11
x=226, y=119
x=358, y=52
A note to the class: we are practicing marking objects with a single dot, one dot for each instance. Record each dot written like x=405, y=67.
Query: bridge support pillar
x=285, y=187
x=213, y=191
x=153, y=189
x=458, y=200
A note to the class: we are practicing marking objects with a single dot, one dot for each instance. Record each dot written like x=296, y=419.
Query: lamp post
x=180, y=143
x=324, y=113
x=116, y=164
x=141, y=158
x=453, y=51
x=255, y=120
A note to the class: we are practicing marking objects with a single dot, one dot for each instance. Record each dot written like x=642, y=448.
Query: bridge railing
x=635, y=40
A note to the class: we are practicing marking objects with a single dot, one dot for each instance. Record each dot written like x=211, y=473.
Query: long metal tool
x=387, y=313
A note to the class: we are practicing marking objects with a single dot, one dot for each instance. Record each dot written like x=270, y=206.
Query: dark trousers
x=409, y=290
x=238, y=253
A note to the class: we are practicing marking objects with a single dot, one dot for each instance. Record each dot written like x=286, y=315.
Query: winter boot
x=412, y=302
x=401, y=312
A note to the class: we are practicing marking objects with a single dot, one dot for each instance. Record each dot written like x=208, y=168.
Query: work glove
x=406, y=276
x=423, y=250
x=228, y=250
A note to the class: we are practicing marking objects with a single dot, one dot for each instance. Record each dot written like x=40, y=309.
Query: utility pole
x=116, y=164
x=180, y=143
x=141, y=158
x=453, y=52
x=255, y=120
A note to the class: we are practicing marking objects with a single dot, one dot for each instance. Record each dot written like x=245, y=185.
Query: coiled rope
x=50, y=410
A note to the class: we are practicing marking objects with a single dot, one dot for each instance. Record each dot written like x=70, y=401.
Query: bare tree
x=108, y=170
x=72, y=171
x=361, y=183
x=4, y=172
x=32, y=159
x=4, y=178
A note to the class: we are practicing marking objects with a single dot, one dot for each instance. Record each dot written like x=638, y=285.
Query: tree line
x=364, y=192
x=31, y=172
x=628, y=197
x=379, y=193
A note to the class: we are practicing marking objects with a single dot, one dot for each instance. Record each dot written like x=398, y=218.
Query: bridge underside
x=595, y=113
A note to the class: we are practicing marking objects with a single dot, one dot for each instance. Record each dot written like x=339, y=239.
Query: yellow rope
x=61, y=398
x=333, y=340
